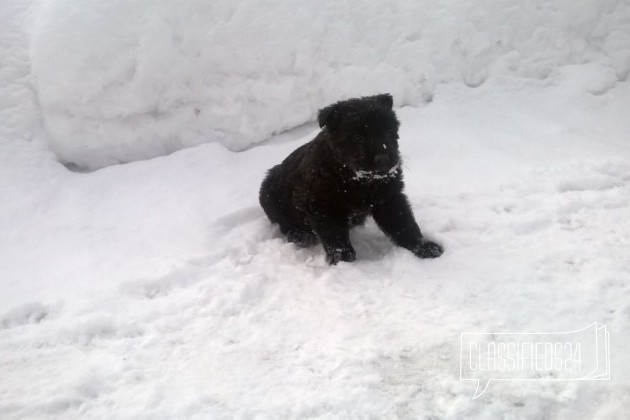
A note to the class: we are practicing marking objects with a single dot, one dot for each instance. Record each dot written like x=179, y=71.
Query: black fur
x=349, y=171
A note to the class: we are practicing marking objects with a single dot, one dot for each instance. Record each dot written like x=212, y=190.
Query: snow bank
x=125, y=80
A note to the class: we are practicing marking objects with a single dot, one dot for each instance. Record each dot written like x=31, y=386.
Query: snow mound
x=120, y=81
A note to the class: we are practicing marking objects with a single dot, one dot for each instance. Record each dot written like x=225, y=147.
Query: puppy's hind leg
x=269, y=197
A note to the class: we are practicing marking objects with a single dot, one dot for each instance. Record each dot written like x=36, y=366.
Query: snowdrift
x=120, y=81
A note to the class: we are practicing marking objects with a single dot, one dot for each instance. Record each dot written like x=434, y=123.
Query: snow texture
x=158, y=289
x=123, y=80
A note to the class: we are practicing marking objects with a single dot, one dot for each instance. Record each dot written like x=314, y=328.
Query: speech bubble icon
x=482, y=385
x=582, y=354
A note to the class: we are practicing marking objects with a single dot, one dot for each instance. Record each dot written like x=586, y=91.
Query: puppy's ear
x=329, y=117
x=385, y=99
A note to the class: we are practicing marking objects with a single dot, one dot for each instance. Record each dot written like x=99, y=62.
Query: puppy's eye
x=357, y=139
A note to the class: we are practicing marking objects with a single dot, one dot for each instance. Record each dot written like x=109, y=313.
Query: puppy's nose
x=381, y=161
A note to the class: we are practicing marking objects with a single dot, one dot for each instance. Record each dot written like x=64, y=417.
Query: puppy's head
x=363, y=133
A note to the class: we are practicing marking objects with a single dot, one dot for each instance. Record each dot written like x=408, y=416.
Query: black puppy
x=349, y=171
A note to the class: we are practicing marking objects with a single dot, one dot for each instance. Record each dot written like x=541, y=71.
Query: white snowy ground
x=158, y=289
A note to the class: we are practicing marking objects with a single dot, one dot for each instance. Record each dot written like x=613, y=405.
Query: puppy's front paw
x=427, y=249
x=333, y=256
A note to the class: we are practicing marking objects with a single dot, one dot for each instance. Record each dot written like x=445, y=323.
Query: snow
x=179, y=74
x=368, y=175
x=158, y=289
